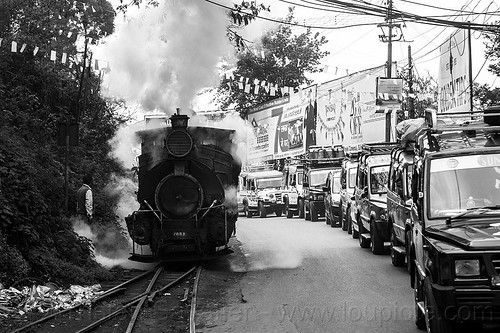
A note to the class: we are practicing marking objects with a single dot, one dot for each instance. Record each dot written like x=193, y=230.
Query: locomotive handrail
x=208, y=209
x=154, y=212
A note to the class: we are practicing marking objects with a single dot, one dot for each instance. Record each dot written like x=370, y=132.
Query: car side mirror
x=305, y=185
x=326, y=189
x=408, y=202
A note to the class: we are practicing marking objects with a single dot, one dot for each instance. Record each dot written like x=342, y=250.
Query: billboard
x=283, y=127
x=453, y=77
x=347, y=111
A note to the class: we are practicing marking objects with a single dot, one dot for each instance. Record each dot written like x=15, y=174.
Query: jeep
x=318, y=163
x=293, y=197
x=261, y=193
x=399, y=202
x=370, y=214
x=455, y=213
x=347, y=183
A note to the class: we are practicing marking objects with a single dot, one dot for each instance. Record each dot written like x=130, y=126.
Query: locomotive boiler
x=187, y=179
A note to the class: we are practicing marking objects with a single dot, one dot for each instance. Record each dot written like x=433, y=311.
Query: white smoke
x=167, y=54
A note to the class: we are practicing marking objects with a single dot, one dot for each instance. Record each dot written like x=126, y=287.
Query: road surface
x=307, y=277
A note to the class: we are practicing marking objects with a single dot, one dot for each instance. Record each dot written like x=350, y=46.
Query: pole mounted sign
x=454, y=71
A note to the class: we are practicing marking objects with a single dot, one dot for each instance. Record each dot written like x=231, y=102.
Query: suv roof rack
x=325, y=155
x=378, y=148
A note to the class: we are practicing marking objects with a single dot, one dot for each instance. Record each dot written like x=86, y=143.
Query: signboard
x=283, y=127
x=453, y=77
x=389, y=93
x=347, y=111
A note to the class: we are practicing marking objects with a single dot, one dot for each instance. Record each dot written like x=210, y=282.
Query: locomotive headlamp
x=467, y=267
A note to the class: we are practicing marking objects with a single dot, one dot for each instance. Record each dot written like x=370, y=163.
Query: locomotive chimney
x=178, y=120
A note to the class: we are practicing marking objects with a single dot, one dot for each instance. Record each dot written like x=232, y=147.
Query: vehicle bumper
x=468, y=303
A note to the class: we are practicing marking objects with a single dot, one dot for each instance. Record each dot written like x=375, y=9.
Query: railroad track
x=118, y=309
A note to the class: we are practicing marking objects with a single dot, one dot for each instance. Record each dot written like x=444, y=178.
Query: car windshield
x=378, y=179
x=268, y=183
x=318, y=178
x=463, y=182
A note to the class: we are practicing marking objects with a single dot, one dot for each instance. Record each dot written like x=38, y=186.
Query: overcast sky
x=150, y=51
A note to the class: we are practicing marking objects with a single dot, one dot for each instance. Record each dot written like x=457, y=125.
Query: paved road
x=307, y=277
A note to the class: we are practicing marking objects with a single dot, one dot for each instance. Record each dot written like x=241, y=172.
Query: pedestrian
x=85, y=203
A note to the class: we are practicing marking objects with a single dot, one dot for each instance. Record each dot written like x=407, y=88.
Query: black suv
x=370, y=213
x=399, y=201
x=455, y=249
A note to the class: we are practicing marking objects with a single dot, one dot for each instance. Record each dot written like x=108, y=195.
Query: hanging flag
x=1, y=39
x=70, y=34
x=53, y=55
x=23, y=48
x=96, y=64
x=273, y=91
x=240, y=85
x=262, y=54
x=247, y=88
x=256, y=90
x=64, y=56
x=13, y=47
x=35, y=51
x=326, y=69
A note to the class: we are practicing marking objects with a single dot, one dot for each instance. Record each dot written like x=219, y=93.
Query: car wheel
x=397, y=258
x=407, y=249
x=363, y=242
x=288, y=212
x=418, y=297
x=279, y=211
x=249, y=213
x=301, y=208
x=307, y=212
x=348, y=221
x=377, y=243
x=342, y=219
x=262, y=210
x=313, y=212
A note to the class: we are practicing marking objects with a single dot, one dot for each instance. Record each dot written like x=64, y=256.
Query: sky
x=162, y=57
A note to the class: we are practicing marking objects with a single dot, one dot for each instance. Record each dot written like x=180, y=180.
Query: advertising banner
x=283, y=127
x=347, y=111
x=453, y=77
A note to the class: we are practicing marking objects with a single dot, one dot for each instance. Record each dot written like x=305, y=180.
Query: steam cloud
x=164, y=57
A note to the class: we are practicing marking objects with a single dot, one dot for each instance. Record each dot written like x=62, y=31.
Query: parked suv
x=261, y=193
x=332, y=197
x=371, y=225
x=399, y=201
x=319, y=162
x=347, y=184
x=455, y=212
x=293, y=197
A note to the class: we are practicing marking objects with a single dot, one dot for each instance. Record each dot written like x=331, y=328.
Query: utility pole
x=389, y=38
x=470, y=69
x=411, y=104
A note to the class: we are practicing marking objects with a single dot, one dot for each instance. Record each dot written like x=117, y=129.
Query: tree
x=424, y=94
x=36, y=94
x=485, y=96
x=286, y=60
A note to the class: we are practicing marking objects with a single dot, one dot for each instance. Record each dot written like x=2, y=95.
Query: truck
x=370, y=212
x=319, y=161
x=260, y=192
x=455, y=213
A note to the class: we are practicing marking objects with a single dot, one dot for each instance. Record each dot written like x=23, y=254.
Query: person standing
x=85, y=203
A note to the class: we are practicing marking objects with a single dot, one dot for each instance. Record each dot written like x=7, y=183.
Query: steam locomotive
x=187, y=192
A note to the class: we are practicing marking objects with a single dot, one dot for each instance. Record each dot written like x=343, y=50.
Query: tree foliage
x=424, y=95
x=287, y=60
x=36, y=96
